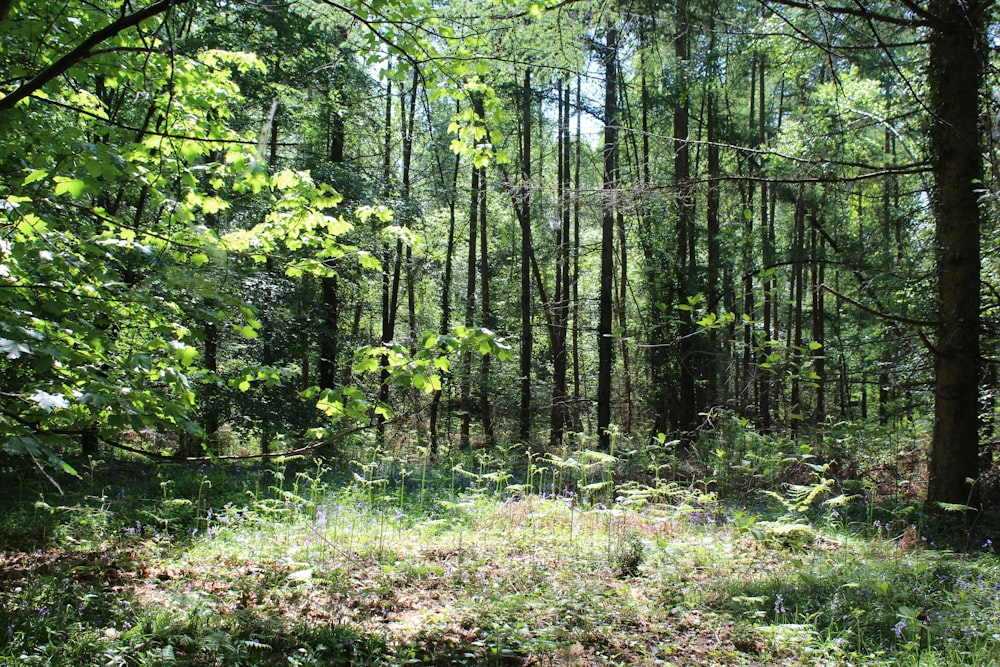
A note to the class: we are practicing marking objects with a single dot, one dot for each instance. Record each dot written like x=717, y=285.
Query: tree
x=609, y=203
x=955, y=66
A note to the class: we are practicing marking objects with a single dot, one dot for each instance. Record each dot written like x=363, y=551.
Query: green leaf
x=284, y=180
x=366, y=365
x=185, y=353
x=72, y=186
x=36, y=175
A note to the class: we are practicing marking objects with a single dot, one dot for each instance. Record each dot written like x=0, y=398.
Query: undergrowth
x=502, y=558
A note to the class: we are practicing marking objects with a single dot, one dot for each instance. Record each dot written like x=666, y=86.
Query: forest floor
x=392, y=564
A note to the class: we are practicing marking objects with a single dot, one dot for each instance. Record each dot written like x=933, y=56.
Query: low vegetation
x=576, y=558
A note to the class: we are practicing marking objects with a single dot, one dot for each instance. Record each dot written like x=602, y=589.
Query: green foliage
x=244, y=564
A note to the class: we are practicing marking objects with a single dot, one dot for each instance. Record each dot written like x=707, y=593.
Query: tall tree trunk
x=957, y=56
x=485, y=397
x=796, y=351
x=748, y=375
x=657, y=271
x=410, y=111
x=449, y=264
x=605, y=341
x=523, y=207
x=818, y=316
x=329, y=344
x=687, y=408
x=560, y=306
x=714, y=263
x=388, y=302
x=767, y=283
x=470, y=295
x=575, y=418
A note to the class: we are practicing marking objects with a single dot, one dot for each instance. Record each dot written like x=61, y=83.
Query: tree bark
x=956, y=59
x=687, y=408
x=560, y=306
x=485, y=395
x=605, y=342
x=449, y=267
x=523, y=206
x=470, y=295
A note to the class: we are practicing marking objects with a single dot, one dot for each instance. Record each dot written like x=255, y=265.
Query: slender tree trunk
x=470, y=296
x=796, y=351
x=766, y=228
x=410, y=218
x=523, y=206
x=329, y=345
x=957, y=56
x=575, y=418
x=656, y=270
x=748, y=377
x=388, y=305
x=485, y=398
x=712, y=217
x=560, y=306
x=449, y=263
x=605, y=341
x=818, y=317
x=687, y=408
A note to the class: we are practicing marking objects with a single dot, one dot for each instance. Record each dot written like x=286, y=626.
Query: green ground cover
x=385, y=561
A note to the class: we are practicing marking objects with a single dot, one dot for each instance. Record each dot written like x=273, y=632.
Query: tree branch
x=860, y=11
x=84, y=50
x=900, y=319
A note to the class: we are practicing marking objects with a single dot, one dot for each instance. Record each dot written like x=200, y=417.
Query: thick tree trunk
x=957, y=52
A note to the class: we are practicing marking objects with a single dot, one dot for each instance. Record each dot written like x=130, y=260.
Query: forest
x=519, y=332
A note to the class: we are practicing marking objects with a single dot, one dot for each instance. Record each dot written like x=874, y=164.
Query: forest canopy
x=239, y=228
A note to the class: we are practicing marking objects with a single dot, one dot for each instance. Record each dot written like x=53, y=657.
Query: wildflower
x=898, y=628
x=988, y=543
x=779, y=604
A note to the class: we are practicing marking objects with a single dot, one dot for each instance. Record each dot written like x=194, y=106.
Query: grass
x=388, y=561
